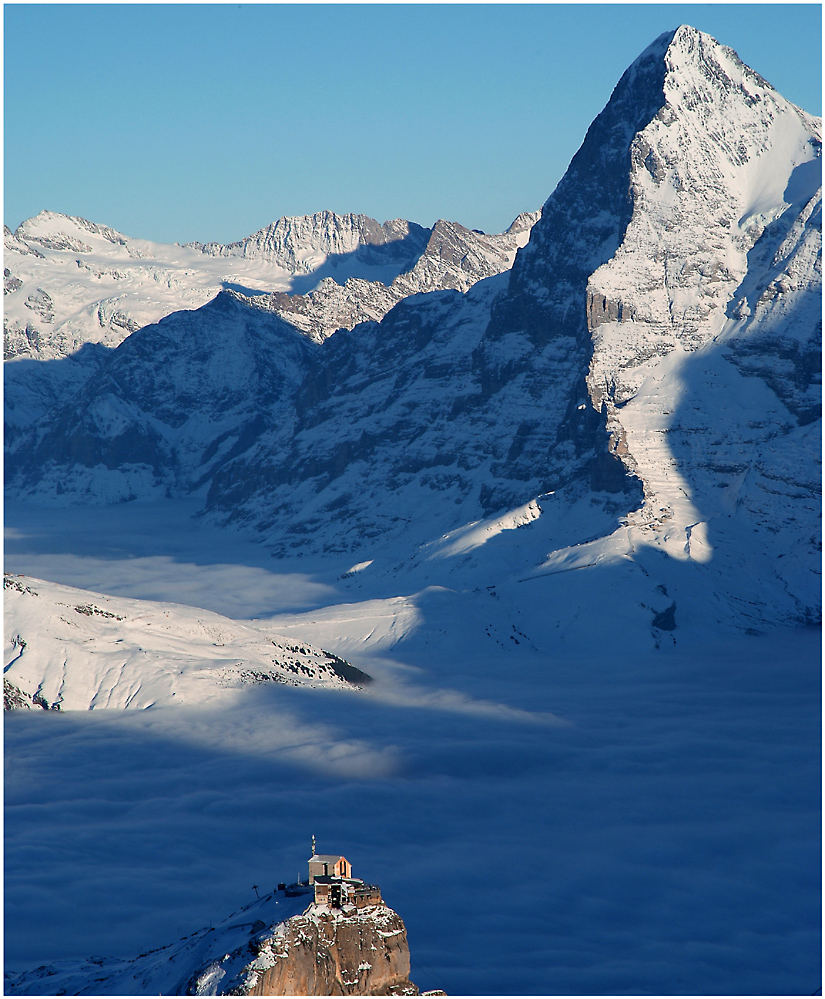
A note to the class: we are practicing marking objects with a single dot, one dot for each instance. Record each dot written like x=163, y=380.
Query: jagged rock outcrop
x=301, y=243
x=331, y=952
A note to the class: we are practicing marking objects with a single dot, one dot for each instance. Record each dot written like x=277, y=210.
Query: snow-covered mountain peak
x=723, y=196
x=689, y=218
x=686, y=227
x=56, y=231
x=707, y=80
x=724, y=157
x=690, y=52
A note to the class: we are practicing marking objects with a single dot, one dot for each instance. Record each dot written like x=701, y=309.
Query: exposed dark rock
x=666, y=620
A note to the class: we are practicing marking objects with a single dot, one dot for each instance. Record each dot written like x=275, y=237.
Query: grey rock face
x=449, y=256
x=41, y=303
x=332, y=953
x=11, y=283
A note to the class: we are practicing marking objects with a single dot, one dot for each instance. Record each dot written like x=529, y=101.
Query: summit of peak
x=692, y=40
x=684, y=37
x=698, y=46
x=692, y=53
x=685, y=46
x=687, y=34
x=44, y=218
x=682, y=48
x=321, y=219
x=57, y=230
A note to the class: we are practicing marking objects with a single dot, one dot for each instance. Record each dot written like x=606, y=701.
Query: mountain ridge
x=561, y=376
x=105, y=291
x=62, y=652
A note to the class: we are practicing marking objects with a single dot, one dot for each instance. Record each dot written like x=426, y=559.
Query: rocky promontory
x=276, y=945
x=333, y=952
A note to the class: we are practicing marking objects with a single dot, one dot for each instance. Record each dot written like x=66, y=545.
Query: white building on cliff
x=330, y=875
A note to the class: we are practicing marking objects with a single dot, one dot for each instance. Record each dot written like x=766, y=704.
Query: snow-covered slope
x=197, y=964
x=70, y=649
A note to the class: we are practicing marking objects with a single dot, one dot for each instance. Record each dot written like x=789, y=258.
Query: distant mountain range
x=71, y=285
x=70, y=282
x=653, y=351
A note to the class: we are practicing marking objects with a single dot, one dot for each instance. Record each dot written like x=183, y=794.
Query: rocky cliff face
x=334, y=953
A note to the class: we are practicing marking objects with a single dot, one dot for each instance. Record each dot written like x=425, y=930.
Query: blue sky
x=181, y=122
